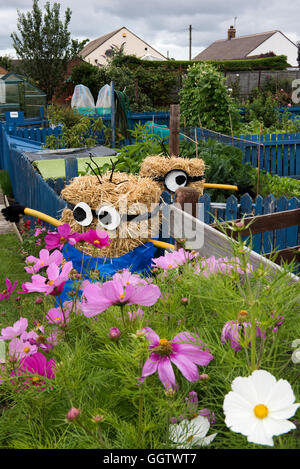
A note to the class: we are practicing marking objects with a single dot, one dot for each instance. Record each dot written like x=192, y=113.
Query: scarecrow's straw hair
x=87, y=189
x=159, y=166
x=124, y=188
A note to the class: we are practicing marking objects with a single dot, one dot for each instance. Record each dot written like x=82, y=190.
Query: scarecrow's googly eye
x=175, y=179
x=83, y=214
x=108, y=217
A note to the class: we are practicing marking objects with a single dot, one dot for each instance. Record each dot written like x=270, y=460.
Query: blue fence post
x=280, y=235
x=292, y=231
x=231, y=208
x=256, y=239
x=268, y=237
x=71, y=168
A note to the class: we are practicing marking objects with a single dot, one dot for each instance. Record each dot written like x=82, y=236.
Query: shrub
x=205, y=100
x=76, y=130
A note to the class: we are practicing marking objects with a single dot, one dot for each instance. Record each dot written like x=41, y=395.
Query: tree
x=44, y=45
x=5, y=62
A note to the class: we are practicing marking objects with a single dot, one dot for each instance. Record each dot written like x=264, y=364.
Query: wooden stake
x=196, y=142
x=230, y=121
x=174, y=129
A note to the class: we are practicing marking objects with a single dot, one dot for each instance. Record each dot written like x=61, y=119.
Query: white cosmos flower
x=189, y=433
x=296, y=356
x=258, y=407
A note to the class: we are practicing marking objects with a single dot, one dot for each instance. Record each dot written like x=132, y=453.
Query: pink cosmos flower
x=63, y=235
x=127, y=278
x=212, y=265
x=97, y=298
x=57, y=316
x=9, y=289
x=97, y=238
x=36, y=367
x=235, y=333
x=16, y=330
x=53, y=285
x=183, y=351
x=171, y=260
x=34, y=264
x=19, y=349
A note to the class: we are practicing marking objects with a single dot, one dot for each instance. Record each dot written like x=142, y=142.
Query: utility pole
x=190, y=42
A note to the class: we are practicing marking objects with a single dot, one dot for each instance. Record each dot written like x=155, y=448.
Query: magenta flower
x=9, y=289
x=53, y=285
x=59, y=239
x=34, y=264
x=97, y=238
x=183, y=351
x=19, y=349
x=235, y=333
x=34, y=368
x=114, y=333
x=16, y=330
x=97, y=298
x=171, y=260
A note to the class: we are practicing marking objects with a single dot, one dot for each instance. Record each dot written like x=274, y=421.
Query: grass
x=5, y=183
x=56, y=168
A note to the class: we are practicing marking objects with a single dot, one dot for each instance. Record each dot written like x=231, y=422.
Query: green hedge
x=267, y=63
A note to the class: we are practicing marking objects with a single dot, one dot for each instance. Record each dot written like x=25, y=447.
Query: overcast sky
x=164, y=24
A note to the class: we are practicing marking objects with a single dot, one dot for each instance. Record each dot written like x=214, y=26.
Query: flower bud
x=72, y=414
x=98, y=418
x=184, y=300
x=204, y=377
x=114, y=333
x=38, y=300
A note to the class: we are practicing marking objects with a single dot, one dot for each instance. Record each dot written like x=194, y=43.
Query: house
x=251, y=46
x=98, y=51
x=3, y=72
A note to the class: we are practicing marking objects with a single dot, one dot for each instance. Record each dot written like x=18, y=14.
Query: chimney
x=231, y=33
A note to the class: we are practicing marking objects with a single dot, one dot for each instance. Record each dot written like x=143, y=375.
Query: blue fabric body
x=138, y=261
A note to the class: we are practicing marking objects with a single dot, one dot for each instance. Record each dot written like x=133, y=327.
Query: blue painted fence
x=262, y=242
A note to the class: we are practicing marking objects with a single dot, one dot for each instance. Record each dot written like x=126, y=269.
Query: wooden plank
x=280, y=234
x=279, y=159
x=254, y=138
x=273, y=155
x=71, y=168
x=265, y=155
x=286, y=255
x=272, y=221
x=292, y=157
x=268, y=236
x=292, y=231
x=286, y=148
x=174, y=129
x=297, y=170
x=210, y=242
x=205, y=200
x=231, y=208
